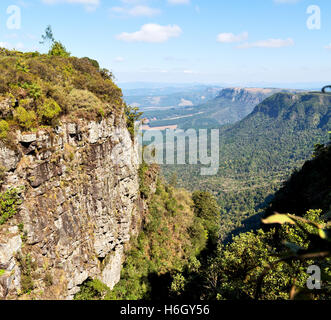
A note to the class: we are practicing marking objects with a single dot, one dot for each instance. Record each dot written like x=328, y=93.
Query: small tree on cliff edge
x=57, y=48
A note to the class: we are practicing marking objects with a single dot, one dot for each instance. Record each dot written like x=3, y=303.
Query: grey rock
x=77, y=211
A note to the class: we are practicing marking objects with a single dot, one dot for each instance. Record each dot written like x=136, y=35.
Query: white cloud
x=269, y=43
x=230, y=37
x=137, y=11
x=89, y=5
x=328, y=47
x=153, y=33
x=179, y=1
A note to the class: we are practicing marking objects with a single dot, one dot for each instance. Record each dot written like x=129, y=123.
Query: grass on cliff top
x=39, y=89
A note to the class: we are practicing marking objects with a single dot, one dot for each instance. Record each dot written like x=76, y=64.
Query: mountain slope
x=282, y=125
x=261, y=151
x=309, y=188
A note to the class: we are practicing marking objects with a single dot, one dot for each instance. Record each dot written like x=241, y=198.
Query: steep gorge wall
x=80, y=206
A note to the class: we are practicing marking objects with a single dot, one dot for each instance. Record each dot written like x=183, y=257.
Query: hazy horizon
x=131, y=85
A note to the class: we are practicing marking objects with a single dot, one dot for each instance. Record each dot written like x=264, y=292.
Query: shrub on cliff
x=9, y=202
x=4, y=128
x=49, y=111
x=34, y=90
x=85, y=102
x=25, y=119
x=132, y=116
x=58, y=49
x=92, y=290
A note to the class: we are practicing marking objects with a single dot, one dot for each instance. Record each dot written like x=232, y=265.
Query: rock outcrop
x=80, y=207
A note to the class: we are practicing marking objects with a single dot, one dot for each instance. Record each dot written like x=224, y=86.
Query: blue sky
x=239, y=42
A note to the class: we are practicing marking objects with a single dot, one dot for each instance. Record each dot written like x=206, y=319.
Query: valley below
x=265, y=135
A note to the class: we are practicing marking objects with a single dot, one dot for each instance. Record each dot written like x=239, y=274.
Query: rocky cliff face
x=250, y=96
x=80, y=207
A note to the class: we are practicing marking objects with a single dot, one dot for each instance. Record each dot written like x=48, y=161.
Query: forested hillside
x=259, y=152
x=272, y=264
x=309, y=188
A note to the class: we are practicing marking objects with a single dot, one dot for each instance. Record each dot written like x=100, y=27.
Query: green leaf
x=324, y=234
x=278, y=218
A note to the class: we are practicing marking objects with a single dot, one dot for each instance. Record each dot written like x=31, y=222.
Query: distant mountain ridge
x=229, y=106
x=247, y=95
x=160, y=99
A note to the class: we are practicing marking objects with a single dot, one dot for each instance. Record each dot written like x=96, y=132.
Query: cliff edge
x=69, y=176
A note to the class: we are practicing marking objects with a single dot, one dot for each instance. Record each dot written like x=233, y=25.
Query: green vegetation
x=48, y=279
x=265, y=265
x=40, y=89
x=57, y=48
x=25, y=119
x=307, y=238
x=176, y=232
x=27, y=267
x=208, y=244
x=132, y=116
x=308, y=188
x=207, y=212
x=236, y=273
x=9, y=203
x=272, y=263
x=257, y=154
x=202, y=260
x=4, y=128
x=164, y=248
x=49, y=111
x=143, y=184
x=93, y=290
